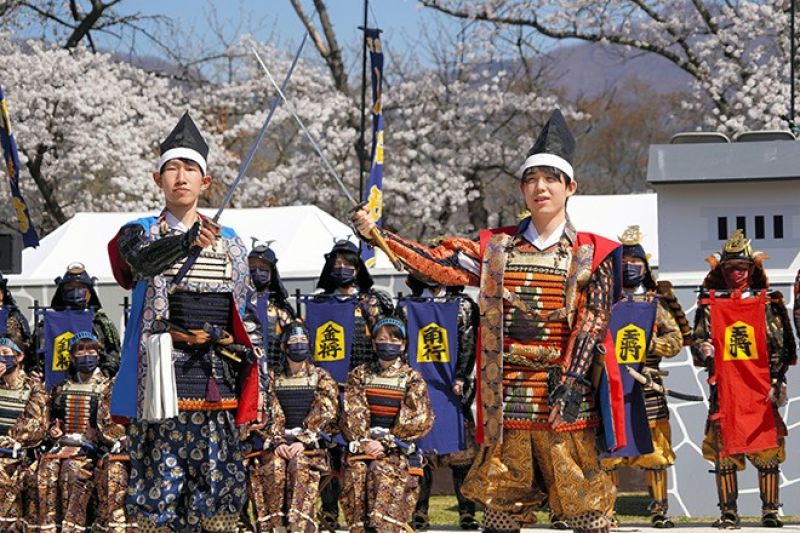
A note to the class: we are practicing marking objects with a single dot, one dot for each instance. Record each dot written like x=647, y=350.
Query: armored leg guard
x=499, y=522
x=728, y=491
x=657, y=486
x=768, y=485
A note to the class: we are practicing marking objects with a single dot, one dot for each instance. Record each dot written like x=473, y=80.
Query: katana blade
x=307, y=133
x=195, y=252
x=380, y=242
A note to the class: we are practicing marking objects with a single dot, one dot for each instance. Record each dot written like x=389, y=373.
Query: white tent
x=302, y=234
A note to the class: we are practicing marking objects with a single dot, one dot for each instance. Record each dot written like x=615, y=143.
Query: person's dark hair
x=188, y=161
x=350, y=257
x=393, y=331
x=553, y=171
x=85, y=344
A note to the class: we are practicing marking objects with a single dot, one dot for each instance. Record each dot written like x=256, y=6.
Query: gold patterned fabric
x=503, y=475
x=662, y=455
x=381, y=491
x=712, y=444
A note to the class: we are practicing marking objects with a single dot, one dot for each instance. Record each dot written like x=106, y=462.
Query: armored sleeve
x=456, y=261
x=18, y=330
x=276, y=420
x=796, y=311
x=701, y=332
x=591, y=325
x=149, y=258
x=30, y=429
x=323, y=413
x=467, y=329
x=355, y=418
x=107, y=335
x=415, y=418
x=780, y=339
x=374, y=306
x=667, y=340
x=109, y=431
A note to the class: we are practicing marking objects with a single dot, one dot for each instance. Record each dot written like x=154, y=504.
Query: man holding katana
x=187, y=378
x=743, y=337
x=546, y=293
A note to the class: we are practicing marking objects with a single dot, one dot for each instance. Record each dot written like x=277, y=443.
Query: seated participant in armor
x=18, y=393
x=386, y=409
x=79, y=422
x=285, y=476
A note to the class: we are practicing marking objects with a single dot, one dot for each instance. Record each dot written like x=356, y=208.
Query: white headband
x=547, y=160
x=183, y=153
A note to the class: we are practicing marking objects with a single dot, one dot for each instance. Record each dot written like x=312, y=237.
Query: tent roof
x=302, y=234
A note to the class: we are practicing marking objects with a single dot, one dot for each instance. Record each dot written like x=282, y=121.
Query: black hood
x=276, y=287
x=76, y=272
x=326, y=282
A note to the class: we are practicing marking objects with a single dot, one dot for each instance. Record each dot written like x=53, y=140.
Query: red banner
x=741, y=370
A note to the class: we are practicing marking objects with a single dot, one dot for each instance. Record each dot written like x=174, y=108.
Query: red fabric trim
x=119, y=267
x=617, y=396
x=248, y=399
x=602, y=246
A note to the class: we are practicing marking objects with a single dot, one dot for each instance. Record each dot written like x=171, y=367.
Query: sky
x=401, y=20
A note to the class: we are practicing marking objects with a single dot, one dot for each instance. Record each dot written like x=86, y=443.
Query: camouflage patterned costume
x=285, y=493
x=782, y=354
x=66, y=473
x=380, y=493
x=22, y=409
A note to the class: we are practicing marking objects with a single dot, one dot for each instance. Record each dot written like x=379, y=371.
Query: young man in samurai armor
x=286, y=469
x=461, y=461
x=386, y=409
x=743, y=337
x=666, y=340
x=546, y=293
x=13, y=323
x=188, y=378
x=22, y=400
x=75, y=290
x=268, y=312
x=345, y=276
x=79, y=423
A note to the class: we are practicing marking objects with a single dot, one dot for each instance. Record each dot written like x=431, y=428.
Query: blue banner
x=433, y=351
x=59, y=328
x=11, y=157
x=631, y=327
x=373, y=193
x=3, y=321
x=331, y=322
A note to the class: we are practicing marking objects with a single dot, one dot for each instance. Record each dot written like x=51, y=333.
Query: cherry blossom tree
x=737, y=52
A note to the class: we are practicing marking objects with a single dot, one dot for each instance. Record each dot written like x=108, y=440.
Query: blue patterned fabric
x=186, y=469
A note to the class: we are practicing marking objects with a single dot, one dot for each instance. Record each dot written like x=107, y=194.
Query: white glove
x=379, y=432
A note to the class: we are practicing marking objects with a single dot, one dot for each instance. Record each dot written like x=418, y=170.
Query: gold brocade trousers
x=503, y=477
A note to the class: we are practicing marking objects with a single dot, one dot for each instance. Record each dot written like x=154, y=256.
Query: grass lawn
x=631, y=509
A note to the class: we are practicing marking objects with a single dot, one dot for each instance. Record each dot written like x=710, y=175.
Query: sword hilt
x=380, y=242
